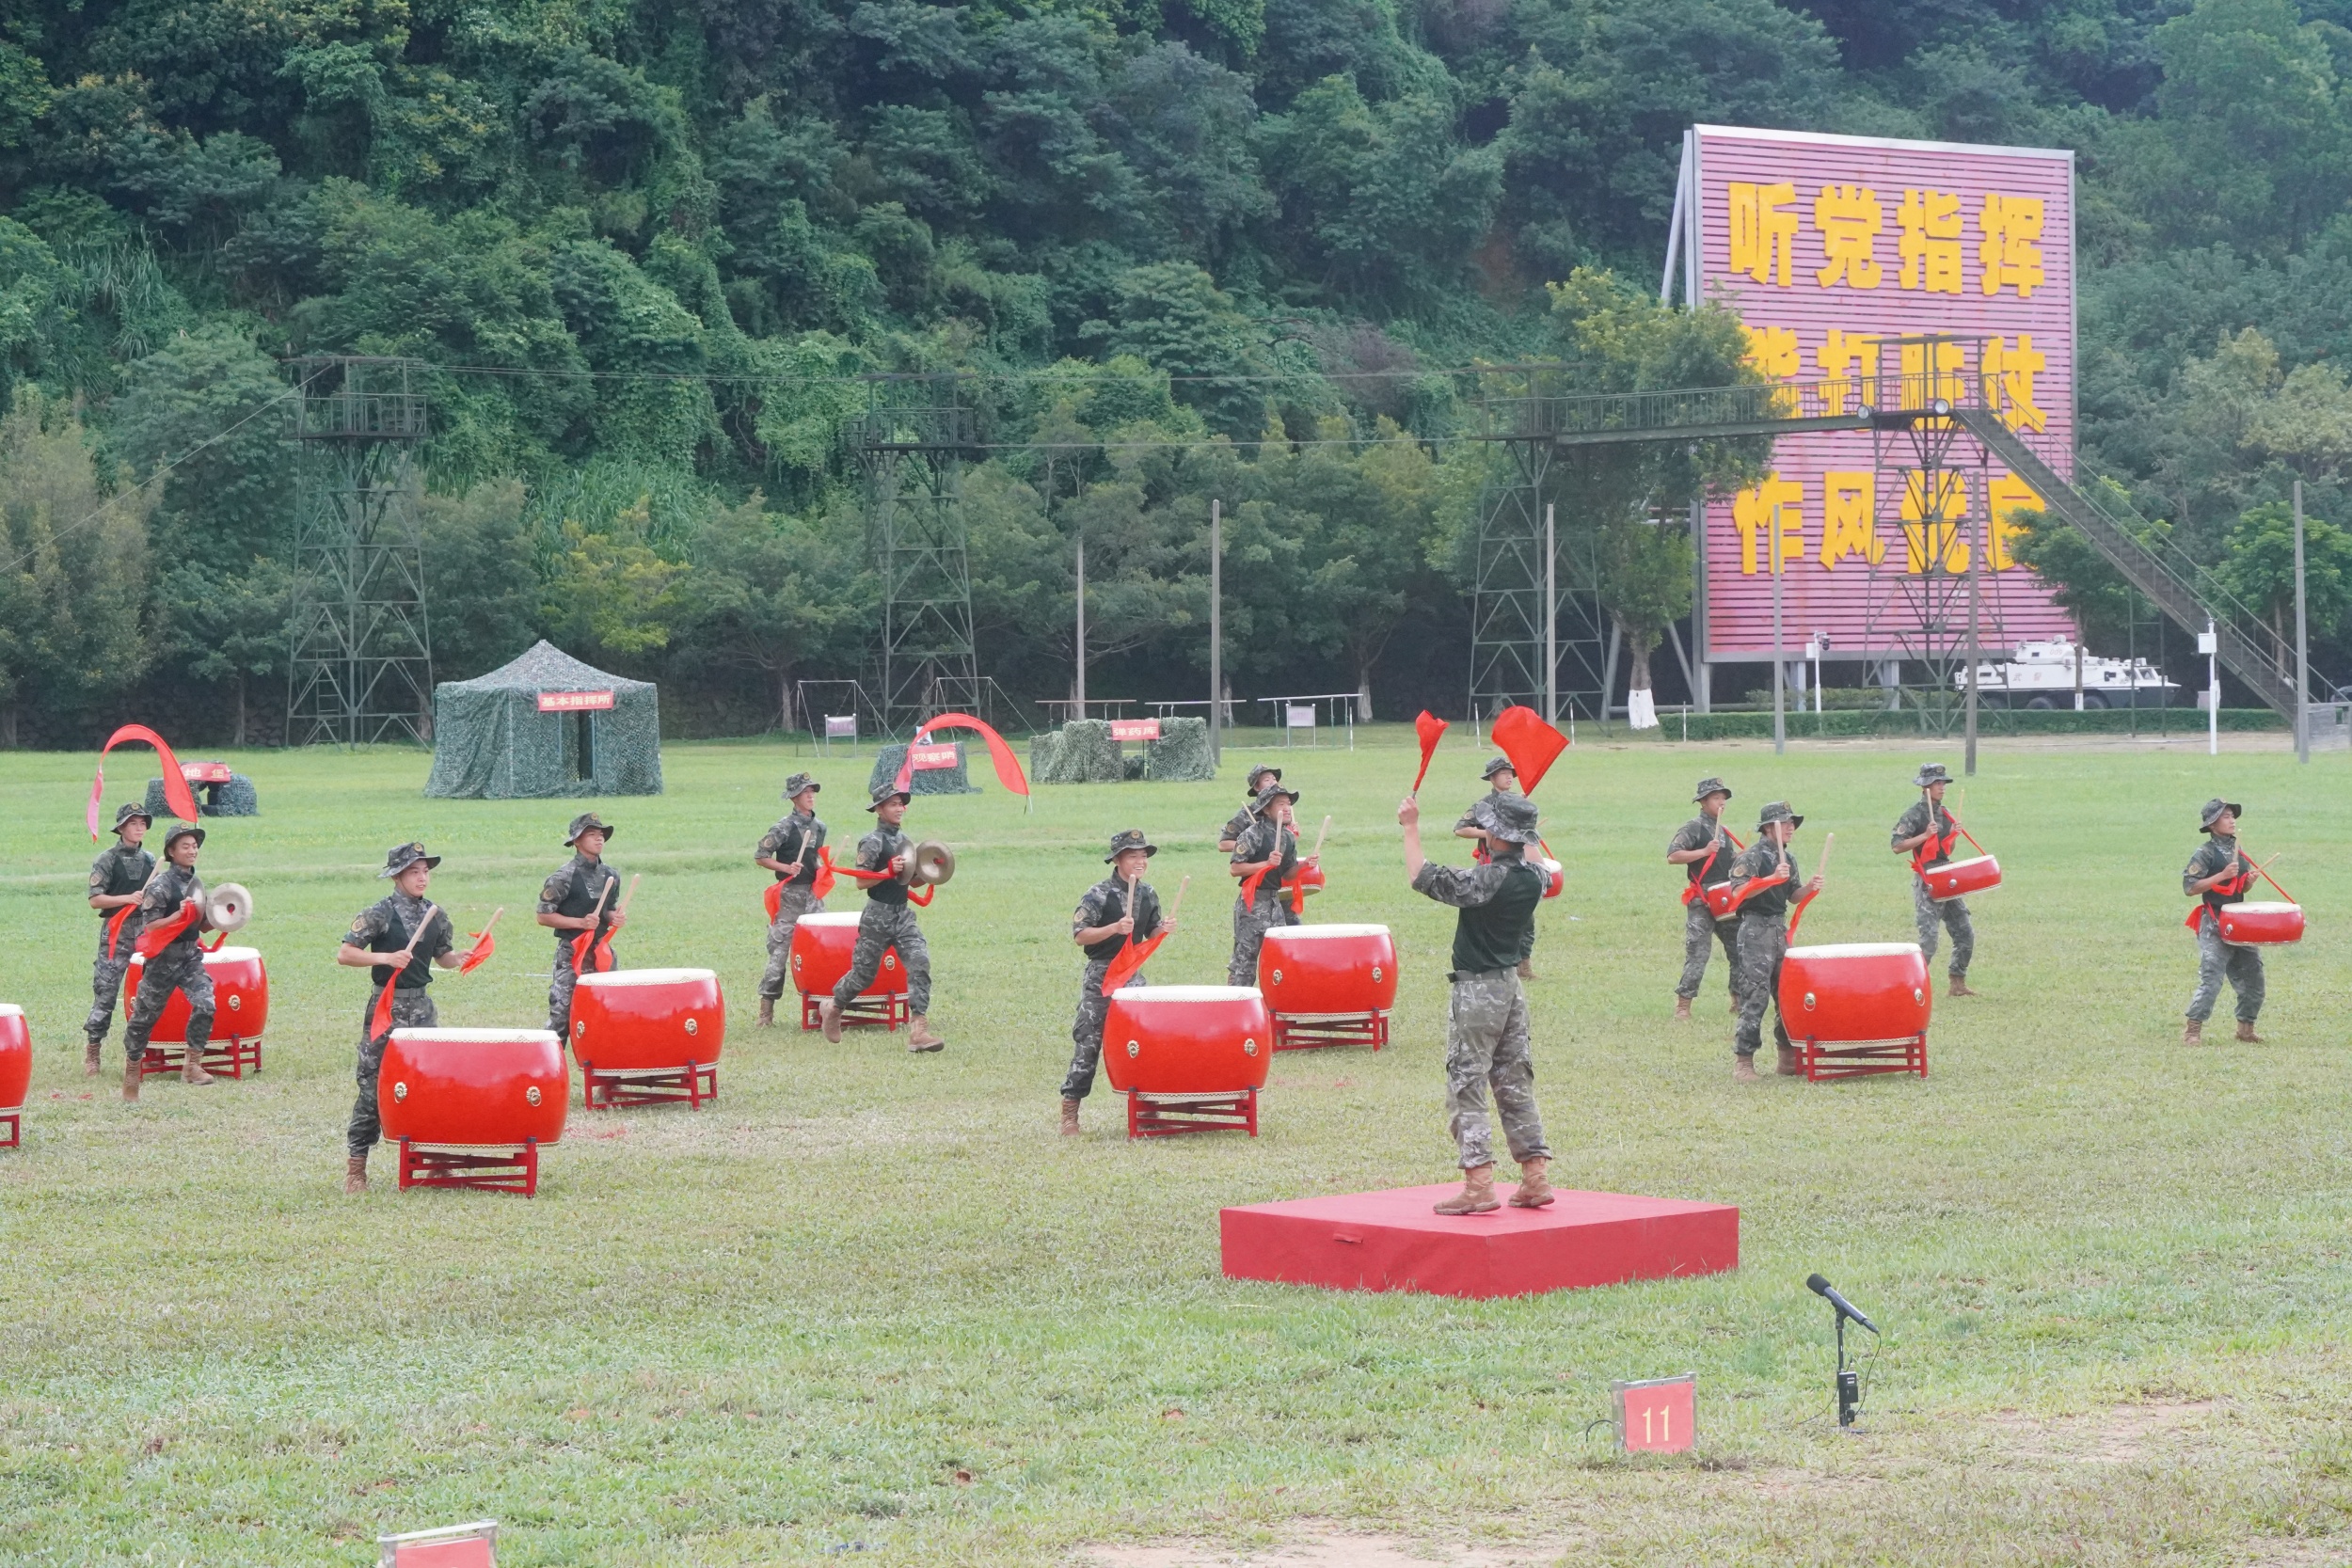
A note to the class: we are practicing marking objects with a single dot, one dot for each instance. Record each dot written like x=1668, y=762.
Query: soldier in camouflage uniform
x=1503, y=783
x=789, y=849
x=2219, y=875
x=116, y=880
x=1485, y=1018
x=1764, y=938
x=887, y=923
x=1704, y=849
x=1239, y=822
x=1927, y=833
x=575, y=899
x=417, y=935
x=1103, y=925
x=179, y=966
x=1269, y=846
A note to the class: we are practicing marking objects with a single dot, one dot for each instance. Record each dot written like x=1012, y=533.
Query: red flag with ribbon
x=158, y=935
x=1429, y=727
x=380, y=1021
x=1130, y=958
x=822, y=882
x=114, y=927
x=1008, y=766
x=479, y=953
x=1521, y=735
x=176, y=792
x=773, y=898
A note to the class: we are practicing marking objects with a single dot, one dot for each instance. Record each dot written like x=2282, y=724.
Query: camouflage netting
x=1180, y=755
x=1083, y=752
x=923, y=781
x=490, y=741
x=237, y=797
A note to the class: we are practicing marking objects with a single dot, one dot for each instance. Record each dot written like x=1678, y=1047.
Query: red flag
x=1250, y=883
x=822, y=883
x=1429, y=727
x=176, y=792
x=380, y=1022
x=1531, y=744
x=479, y=953
x=158, y=935
x=774, y=897
x=1797, y=915
x=114, y=927
x=1130, y=958
x=1008, y=766
x=583, y=952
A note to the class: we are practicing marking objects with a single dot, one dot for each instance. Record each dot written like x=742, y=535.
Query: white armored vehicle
x=2043, y=675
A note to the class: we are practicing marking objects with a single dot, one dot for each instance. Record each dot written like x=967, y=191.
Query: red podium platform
x=1389, y=1241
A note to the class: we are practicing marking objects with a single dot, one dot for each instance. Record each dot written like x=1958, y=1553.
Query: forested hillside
x=651, y=244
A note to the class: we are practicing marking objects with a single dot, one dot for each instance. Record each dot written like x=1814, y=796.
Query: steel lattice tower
x=1507, y=600
x=361, y=668
x=910, y=445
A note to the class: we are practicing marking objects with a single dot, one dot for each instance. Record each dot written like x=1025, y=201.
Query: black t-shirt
x=1496, y=926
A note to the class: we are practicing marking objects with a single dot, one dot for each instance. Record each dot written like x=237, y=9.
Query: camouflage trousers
x=1085, y=1031
x=1763, y=941
x=560, y=990
x=105, y=982
x=1251, y=922
x=2217, y=960
x=1952, y=915
x=1701, y=930
x=882, y=927
x=180, y=968
x=412, y=1008
x=793, y=903
x=1485, y=1043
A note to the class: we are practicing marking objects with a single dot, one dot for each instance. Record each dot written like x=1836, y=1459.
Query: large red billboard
x=1825, y=245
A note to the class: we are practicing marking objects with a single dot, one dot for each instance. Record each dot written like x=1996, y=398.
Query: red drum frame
x=1306, y=973
x=663, y=1027
x=476, y=1085
x=1206, y=1064
x=16, y=1072
x=823, y=945
x=1874, y=1019
x=240, y=1013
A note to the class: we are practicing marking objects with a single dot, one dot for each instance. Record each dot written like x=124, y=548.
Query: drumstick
x=494, y=920
x=623, y=911
x=418, y=935
x=1829, y=842
x=1319, y=833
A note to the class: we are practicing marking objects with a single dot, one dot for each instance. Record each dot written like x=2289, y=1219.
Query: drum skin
x=16, y=1056
x=824, y=945
x=1958, y=879
x=1187, y=1039
x=240, y=996
x=1848, y=994
x=1328, y=968
x=634, y=1020
x=484, y=1087
x=2260, y=924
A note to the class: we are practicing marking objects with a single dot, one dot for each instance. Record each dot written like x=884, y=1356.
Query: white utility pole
x=2209, y=644
x=1216, y=631
x=1551, y=624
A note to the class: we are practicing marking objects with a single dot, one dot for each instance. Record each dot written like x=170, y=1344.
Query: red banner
x=1135, y=729
x=575, y=701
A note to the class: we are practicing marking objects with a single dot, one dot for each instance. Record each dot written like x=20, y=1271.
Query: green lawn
x=868, y=1299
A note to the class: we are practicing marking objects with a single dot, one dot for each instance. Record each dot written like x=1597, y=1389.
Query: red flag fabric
x=583, y=952
x=177, y=795
x=600, y=958
x=479, y=953
x=1429, y=727
x=380, y=1021
x=155, y=937
x=1521, y=735
x=1250, y=883
x=1008, y=766
x=822, y=882
x=114, y=927
x=773, y=898
x=1796, y=916
x=1130, y=958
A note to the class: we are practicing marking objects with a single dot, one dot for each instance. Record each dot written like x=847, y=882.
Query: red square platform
x=1391, y=1241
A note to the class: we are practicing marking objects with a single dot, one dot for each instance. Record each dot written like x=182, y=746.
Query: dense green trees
x=1204, y=248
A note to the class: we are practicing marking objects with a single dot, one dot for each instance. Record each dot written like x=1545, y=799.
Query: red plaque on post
x=1135, y=729
x=1657, y=1414
x=472, y=1546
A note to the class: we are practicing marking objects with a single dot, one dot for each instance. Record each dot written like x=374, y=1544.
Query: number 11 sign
x=1659, y=1415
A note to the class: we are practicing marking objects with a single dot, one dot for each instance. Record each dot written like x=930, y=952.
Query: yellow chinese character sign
x=1829, y=246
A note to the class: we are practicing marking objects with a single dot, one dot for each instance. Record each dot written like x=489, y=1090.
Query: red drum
x=240, y=1013
x=2245, y=925
x=1554, y=878
x=1958, y=879
x=1858, y=1006
x=823, y=945
x=1304, y=882
x=1189, y=1058
x=471, y=1107
x=648, y=1036
x=1328, y=985
x=1719, y=898
x=16, y=1069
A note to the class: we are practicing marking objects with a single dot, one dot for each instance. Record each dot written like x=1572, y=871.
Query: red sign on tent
x=574, y=702
x=1135, y=729
x=926, y=757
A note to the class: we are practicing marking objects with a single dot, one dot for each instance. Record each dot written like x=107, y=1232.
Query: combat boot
x=1682, y=1009
x=131, y=1076
x=1069, y=1118
x=1959, y=987
x=355, y=1175
x=920, y=1038
x=767, y=1012
x=1743, y=1070
x=1477, y=1196
x=2193, y=1032
x=1535, y=1190
x=191, y=1069
x=2245, y=1032
x=829, y=1019
x=1792, y=1062
x=90, y=1058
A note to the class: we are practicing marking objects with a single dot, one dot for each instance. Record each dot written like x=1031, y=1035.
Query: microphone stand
x=1848, y=1384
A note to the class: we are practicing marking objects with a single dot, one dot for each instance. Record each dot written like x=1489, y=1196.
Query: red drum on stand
x=1189, y=1058
x=823, y=945
x=240, y=1013
x=2260, y=924
x=472, y=1107
x=1328, y=985
x=1858, y=1008
x=648, y=1036
x=16, y=1071
x=1958, y=879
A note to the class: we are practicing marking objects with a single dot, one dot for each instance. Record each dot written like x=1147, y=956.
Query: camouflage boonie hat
x=799, y=783
x=1711, y=787
x=587, y=822
x=1267, y=796
x=128, y=810
x=2214, y=808
x=1513, y=819
x=184, y=830
x=400, y=857
x=1261, y=771
x=1932, y=773
x=1126, y=839
x=1778, y=811
x=1499, y=764
x=883, y=794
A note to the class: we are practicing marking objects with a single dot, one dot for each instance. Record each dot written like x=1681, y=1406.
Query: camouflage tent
x=546, y=724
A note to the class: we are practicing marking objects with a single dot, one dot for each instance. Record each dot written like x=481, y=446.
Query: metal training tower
x=1535, y=615
x=361, y=664
x=911, y=444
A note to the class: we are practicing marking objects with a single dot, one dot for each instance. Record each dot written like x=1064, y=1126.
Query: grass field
x=871, y=1302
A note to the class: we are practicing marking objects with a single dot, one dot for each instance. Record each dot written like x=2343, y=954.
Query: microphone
x=1820, y=1287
